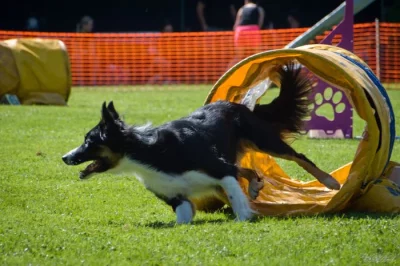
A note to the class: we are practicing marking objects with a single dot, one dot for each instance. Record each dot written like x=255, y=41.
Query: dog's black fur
x=207, y=141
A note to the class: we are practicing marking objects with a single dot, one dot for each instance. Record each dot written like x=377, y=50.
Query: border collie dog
x=196, y=155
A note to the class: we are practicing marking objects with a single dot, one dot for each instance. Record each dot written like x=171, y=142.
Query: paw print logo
x=328, y=104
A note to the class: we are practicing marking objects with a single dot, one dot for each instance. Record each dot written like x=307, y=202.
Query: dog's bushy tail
x=287, y=112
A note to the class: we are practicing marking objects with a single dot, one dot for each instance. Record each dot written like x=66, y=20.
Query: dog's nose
x=69, y=158
x=65, y=159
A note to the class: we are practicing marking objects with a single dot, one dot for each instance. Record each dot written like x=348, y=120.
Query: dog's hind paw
x=238, y=200
x=254, y=188
x=330, y=182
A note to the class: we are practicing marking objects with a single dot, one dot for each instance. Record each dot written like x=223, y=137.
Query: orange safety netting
x=198, y=57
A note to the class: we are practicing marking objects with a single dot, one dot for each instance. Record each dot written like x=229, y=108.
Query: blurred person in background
x=215, y=15
x=247, y=39
x=161, y=67
x=32, y=24
x=85, y=25
x=292, y=20
x=167, y=27
x=88, y=62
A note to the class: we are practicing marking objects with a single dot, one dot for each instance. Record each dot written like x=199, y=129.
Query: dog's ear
x=109, y=123
x=106, y=116
x=112, y=110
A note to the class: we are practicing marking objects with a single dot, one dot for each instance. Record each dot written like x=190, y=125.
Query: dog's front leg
x=183, y=208
x=184, y=212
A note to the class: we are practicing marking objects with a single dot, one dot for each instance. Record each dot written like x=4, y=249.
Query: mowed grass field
x=50, y=217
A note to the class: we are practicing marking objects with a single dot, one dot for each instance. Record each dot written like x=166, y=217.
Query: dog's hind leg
x=310, y=167
x=227, y=176
x=239, y=202
x=271, y=143
x=284, y=151
x=255, y=182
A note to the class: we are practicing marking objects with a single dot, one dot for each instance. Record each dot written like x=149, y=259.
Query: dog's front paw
x=184, y=213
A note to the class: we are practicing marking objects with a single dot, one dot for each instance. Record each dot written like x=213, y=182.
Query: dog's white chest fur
x=191, y=183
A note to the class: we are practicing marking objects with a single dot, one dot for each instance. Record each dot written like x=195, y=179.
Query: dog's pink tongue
x=95, y=167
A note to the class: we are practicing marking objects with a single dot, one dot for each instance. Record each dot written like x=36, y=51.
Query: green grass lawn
x=49, y=217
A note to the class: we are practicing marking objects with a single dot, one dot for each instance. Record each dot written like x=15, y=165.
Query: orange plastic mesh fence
x=389, y=52
x=197, y=57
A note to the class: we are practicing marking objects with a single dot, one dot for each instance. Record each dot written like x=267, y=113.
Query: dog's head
x=102, y=144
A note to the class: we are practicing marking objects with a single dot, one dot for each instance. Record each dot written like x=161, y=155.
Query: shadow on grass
x=359, y=215
x=224, y=210
x=162, y=225
x=262, y=218
x=340, y=215
x=333, y=216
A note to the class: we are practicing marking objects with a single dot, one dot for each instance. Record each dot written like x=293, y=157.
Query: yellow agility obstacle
x=371, y=182
x=36, y=70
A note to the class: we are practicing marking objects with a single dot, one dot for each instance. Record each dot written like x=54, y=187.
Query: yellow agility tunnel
x=370, y=183
x=36, y=70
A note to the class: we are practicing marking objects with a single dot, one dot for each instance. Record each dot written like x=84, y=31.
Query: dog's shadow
x=163, y=225
x=259, y=218
x=226, y=211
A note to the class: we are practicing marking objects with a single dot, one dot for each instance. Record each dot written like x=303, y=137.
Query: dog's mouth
x=97, y=166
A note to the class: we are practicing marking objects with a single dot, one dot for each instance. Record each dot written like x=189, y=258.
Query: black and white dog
x=196, y=155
